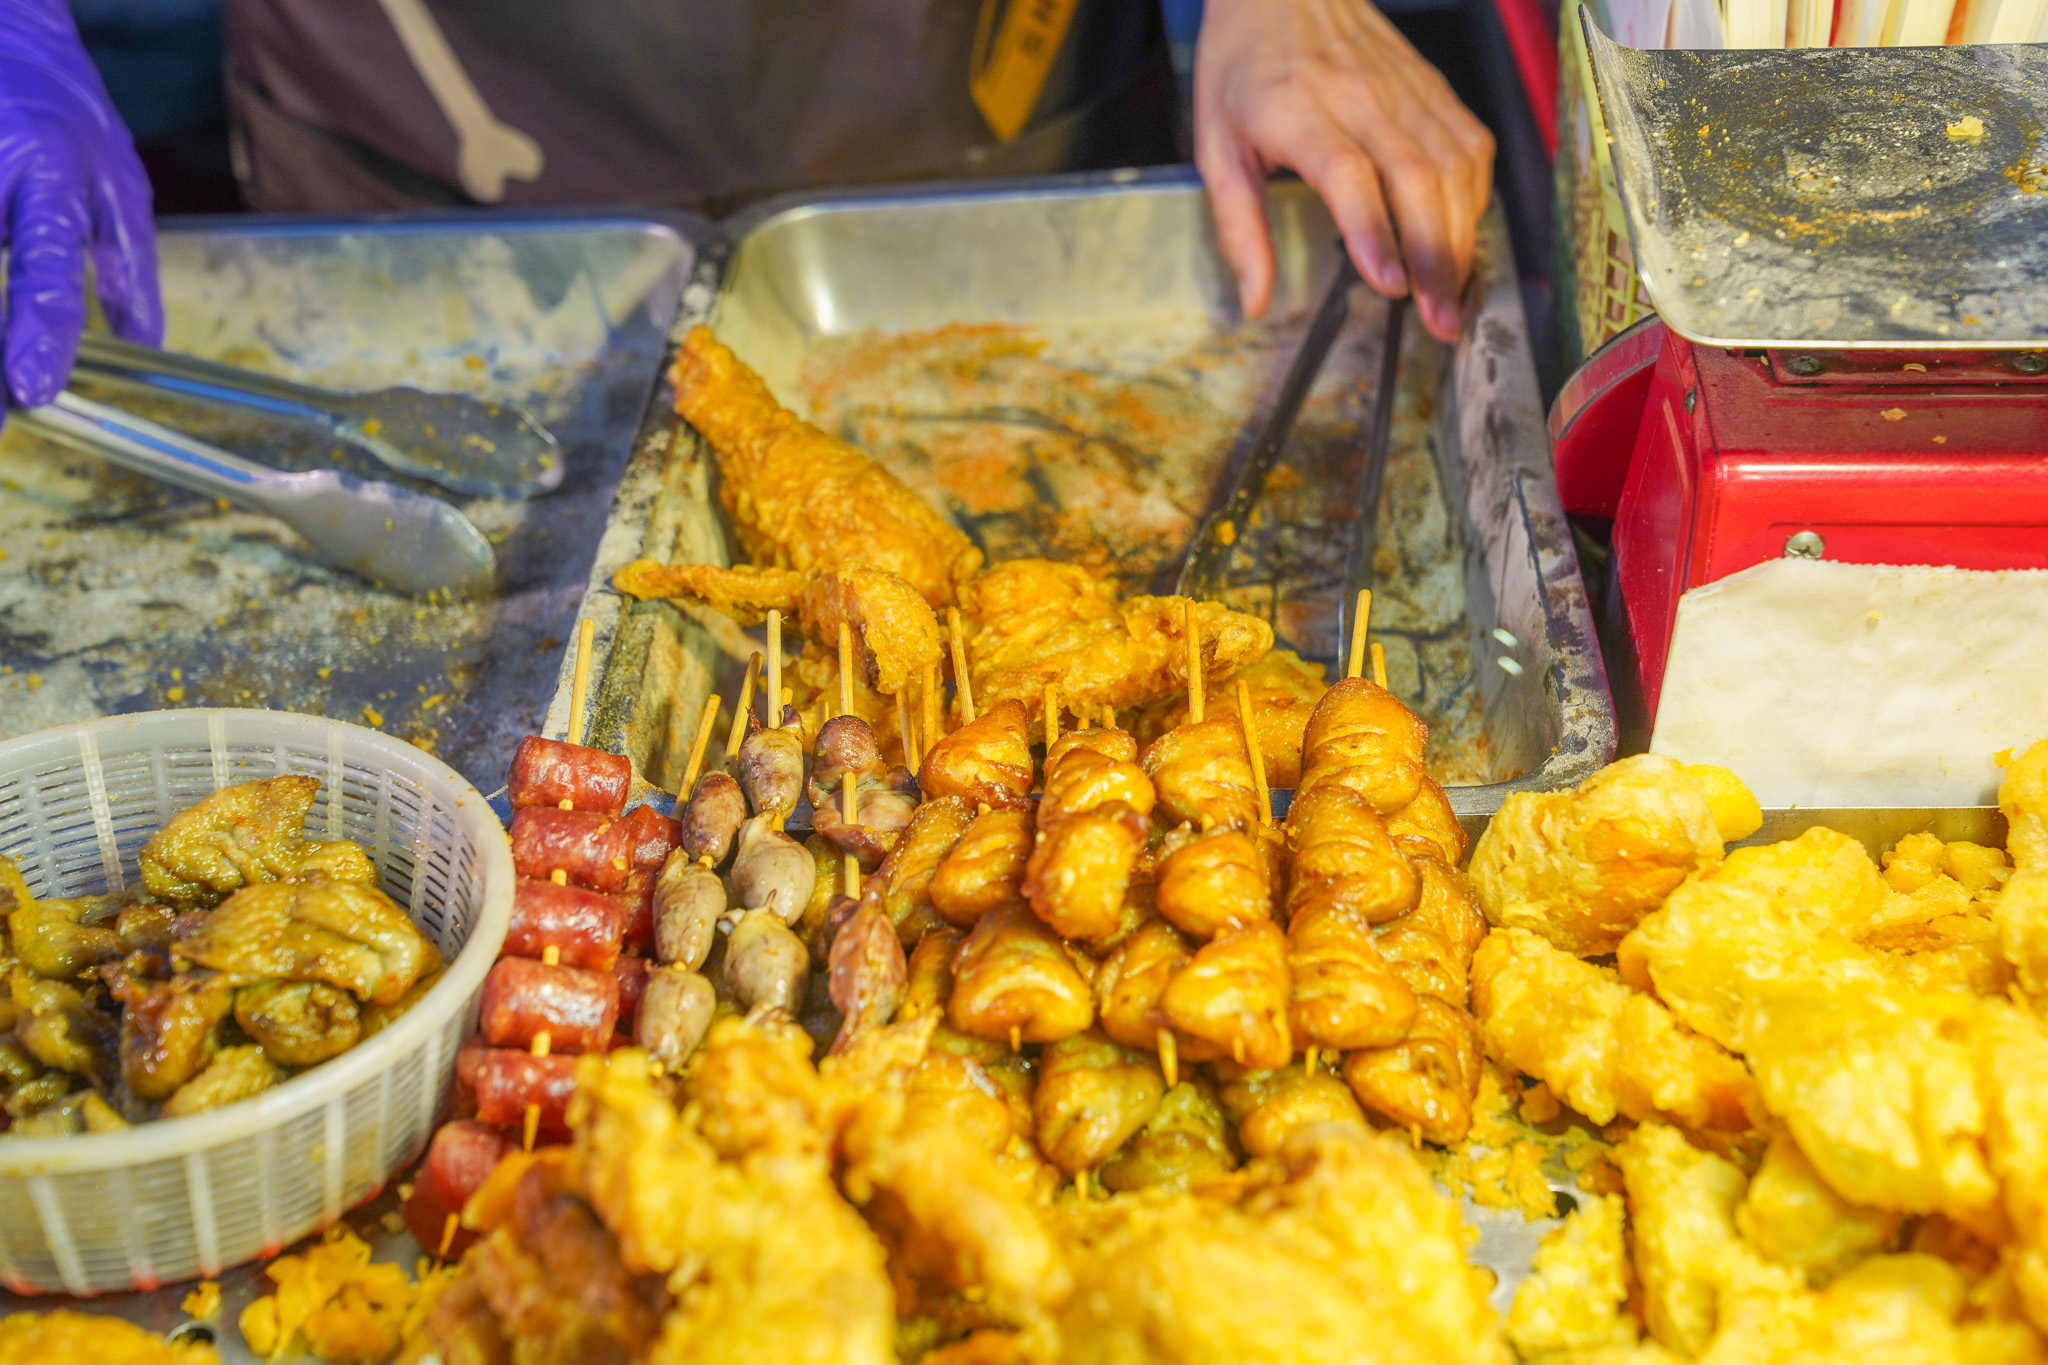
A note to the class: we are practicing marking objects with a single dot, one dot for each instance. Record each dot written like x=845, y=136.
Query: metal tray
x=960, y=333
x=118, y=594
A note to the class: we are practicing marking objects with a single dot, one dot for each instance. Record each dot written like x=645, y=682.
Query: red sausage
x=595, y=850
x=584, y=927
x=462, y=1155
x=631, y=973
x=523, y=999
x=638, y=897
x=547, y=772
x=508, y=1079
x=655, y=836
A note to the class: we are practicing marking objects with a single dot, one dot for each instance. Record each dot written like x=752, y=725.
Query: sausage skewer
x=586, y=631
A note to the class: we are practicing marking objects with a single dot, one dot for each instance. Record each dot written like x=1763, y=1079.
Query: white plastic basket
x=179, y=1198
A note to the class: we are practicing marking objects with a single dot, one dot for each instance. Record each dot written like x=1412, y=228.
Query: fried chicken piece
x=1361, y=737
x=1688, y=1254
x=2023, y=797
x=1189, y=1139
x=57, y=1024
x=1345, y=1246
x=802, y=499
x=296, y=1023
x=1284, y=689
x=1204, y=775
x=1212, y=882
x=1579, y=1279
x=1233, y=995
x=894, y=631
x=61, y=939
x=1583, y=867
x=906, y=875
x=1269, y=1107
x=1792, y=1217
x=239, y=836
x=1080, y=869
x=343, y=933
x=986, y=761
x=1430, y=946
x=744, y=592
x=1343, y=859
x=1132, y=983
x=233, y=1074
x=985, y=868
x=1013, y=972
x=1038, y=622
x=1092, y=1097
x=1427, y=1081
x=1345, y=995
x=1601, y=1047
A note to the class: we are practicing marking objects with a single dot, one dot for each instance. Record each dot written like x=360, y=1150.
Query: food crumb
x=1893, y=414
x=203, y=1302
x=326, y=672
x=1538, y=1104
x=1969, y=128
x=35, y=680
x=174, y=694
x=373, y=715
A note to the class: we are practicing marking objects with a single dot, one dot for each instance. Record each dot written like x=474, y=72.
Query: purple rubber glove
x=70, y=185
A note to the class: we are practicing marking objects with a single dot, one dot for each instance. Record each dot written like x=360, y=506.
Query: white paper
x=1826, y=684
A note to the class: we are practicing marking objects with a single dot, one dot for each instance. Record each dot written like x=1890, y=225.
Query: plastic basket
x=179, y=1198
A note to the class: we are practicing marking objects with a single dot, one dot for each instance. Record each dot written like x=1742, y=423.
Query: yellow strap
x=1006, y=87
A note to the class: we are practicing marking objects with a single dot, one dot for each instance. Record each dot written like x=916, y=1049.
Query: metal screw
x=1806, y=366
x=2027, y=362
x=1805, y=545
x=1692, y=400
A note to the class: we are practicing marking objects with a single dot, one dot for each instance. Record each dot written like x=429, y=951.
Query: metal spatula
x=387, y=534
x=485, y=449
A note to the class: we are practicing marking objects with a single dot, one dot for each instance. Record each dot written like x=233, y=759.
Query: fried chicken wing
x=1583, y=867
x=1233, y=995
x=296, y=1023
x=1204, y=775
x=985, y=868
x=1428, y=1080
x=239, y=836
x=1345, y=995
x=802, y=499
x=986, y=761
x=1092, y=1097
x=343, y=933
x=1343, y=859
x=61, y=939
x=170, y=1028
x=1012, y=972
x=1188, y=1139
x=59, y=1026
x=1212, y=882
x=1079, y=870
x=1361, y=737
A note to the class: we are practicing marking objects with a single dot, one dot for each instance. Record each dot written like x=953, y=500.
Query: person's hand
x=71, y=187
x=1332, y=91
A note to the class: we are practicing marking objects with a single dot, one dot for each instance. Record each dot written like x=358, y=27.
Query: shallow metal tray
x=949, y=325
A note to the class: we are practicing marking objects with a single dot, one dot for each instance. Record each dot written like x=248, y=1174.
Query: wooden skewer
x=1108, y=716
x=551, y=956
x=963, y=686
x=1379, y=666
x=1052, y=714
x=1016, y=1038
x=580, y=679
x=775, y=702
x=1194, y=640
x=559, y=877
x=1356, y=666
x=1169, y=1058
x=904, y=729
x=823, y=715
x=543, y=1043
x=1310, y=1057
x=742, y=708
x=1258, y=756
x=532, y=1127
x=845, y=669
x=934, y=713
x=697, y=746
x=448, y=1226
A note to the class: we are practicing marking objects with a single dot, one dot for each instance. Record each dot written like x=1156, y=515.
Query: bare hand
x=1331, y=90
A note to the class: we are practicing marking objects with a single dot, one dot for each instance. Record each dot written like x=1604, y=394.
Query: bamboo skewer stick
x=448, y=1227
x=934, y=712
x=1310, y=1058
x=698, y=745
x=1379, y=666
x=743, y=708
x=962, y=685
x=1169, y=1058
x=845, y=669
x=1192, y=630
x=1356, y=666
x=1258, y=756
x=849, y=792
x=1052, y=714
x=775, y=702
x=904, y=728
x=1108, y=716
x=586, y=630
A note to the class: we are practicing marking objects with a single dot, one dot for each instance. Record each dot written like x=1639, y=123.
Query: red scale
x=1907, y=421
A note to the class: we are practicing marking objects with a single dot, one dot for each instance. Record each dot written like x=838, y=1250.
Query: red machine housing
x=1890, y=457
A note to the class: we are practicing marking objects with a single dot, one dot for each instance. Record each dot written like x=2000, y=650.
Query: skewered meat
x=846, y=744
x=1133, y=980
x=765, y=964
x=232, y=1075
x=239, y=836
x=342, y=933
x=895, y=634
x=906, y=875
x=654, y=836
x=1188, y=1139
x=523, y=999
x=1428, y=1080
x=1039, y=622
x=171, y=1029
x=847, y=750
x=1092, y=1097
x=62, y=938
x=1204, y=775
x=585, y=928
x=1080, y=868
x=1343, y=858
x=1233, y=995
x=930, y=982
x=985, y=868
x=1284, y=691
x=636, y=901
x=1428, y=827
x=1012, y=972
x=805, y=500
x=506, y=1080
x=1271, y=1106
x=716, y=810
x=1118, y=745
x=1362, y=737
x=1084, y=777
x=459, y=1159
x=547, y=772
x=675, y=1009
x=771, y=871
x=986, y=761
x=1212, y=882
x=1430, y=947
x=1345, y=995
x=297, y=1023
x=868, y=972
x=688, y=900
x=771, y=769
x=631, y=973
x=594, y=850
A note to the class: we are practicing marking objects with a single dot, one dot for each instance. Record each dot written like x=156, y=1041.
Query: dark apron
x=705, y=104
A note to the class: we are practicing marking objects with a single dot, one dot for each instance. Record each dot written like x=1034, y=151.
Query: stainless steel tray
x=118, y=594
x=1088, y=322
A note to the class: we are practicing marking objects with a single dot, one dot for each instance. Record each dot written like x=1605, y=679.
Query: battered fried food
x=1430, y=947
x=1343, y=858
x=1233, y=995
x=1204, y=775
x=1081, y=867
x=1579, y=1279
x=1363, y=738
x=802, y=499
x=1081, y=776
x=1284, y=690
x=1426, y=1082
x=1132, y=982
x=1013, y=972
x=346, y=934
x=1092, y=1097
x=1583, y=867
x=1794, y=1218
x=985, y=868
x=986, y=761
x=1269, y=1107
x=905, y=877
x=1345, y=996
x=1212, y=882
x=2023, y=797
x=745, y=592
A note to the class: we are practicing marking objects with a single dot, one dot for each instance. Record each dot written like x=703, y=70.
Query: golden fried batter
x=1363, y=738
x=1204, y=775
x=985, y=868
x=1792, y=1217
x=1212, y=882
x=2023, y=796
x=987, y=761
x=1343, y=858
x=745, y=592
x=1233, y=995
x=1579, y=1280
x=802, y=499
x=1080, y=868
